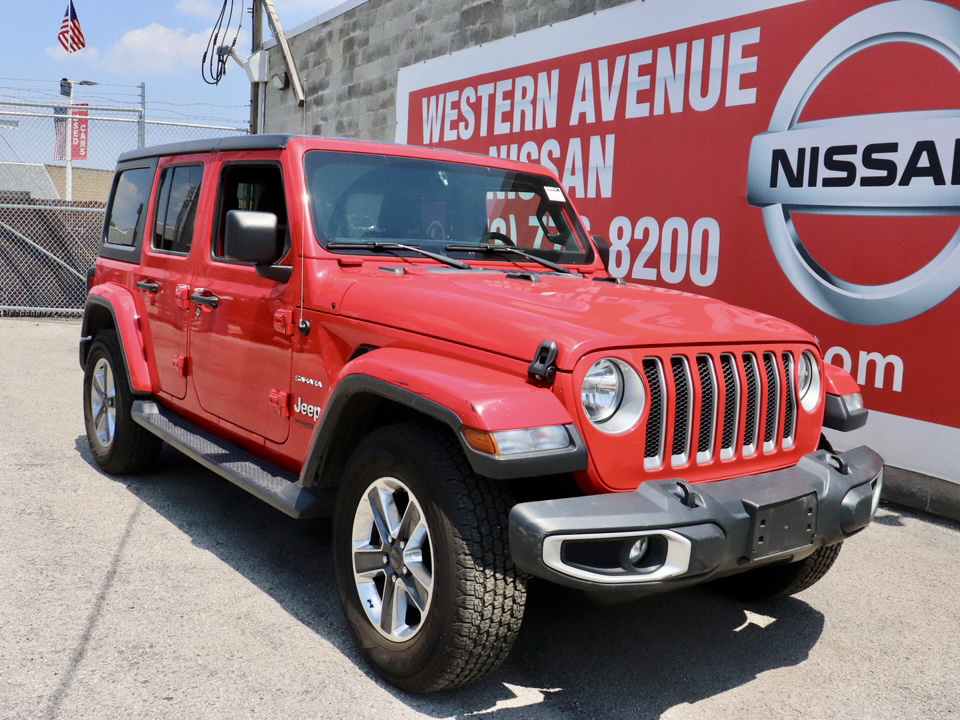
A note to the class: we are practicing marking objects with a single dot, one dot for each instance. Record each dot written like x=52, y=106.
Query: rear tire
x=775, y=581
x=118, y=444
x=438, y=602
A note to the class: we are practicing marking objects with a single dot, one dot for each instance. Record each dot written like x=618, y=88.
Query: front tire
x=118, y=444
x=422, y=561
x=776, y=581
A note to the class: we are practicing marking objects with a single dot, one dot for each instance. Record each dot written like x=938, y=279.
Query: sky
x=160, y=44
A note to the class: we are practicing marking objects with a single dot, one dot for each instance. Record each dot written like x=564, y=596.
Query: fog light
x=638, y=552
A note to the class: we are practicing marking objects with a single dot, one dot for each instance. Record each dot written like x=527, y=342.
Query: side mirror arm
x=603, y=249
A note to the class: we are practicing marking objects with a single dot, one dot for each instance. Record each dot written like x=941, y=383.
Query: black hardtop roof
x=232, y=142
x=279, y=142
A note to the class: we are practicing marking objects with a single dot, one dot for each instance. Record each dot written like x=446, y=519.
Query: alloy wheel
x=392, y=559
x=103, y=402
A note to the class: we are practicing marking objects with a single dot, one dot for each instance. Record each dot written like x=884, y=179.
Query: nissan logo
x=905, y=163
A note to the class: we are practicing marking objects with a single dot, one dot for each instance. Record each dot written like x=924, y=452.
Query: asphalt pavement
x=176, y=595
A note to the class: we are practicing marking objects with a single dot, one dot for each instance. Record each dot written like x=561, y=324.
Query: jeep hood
x=511, y=315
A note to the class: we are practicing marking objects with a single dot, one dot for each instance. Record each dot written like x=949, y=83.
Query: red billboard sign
x=799, y=158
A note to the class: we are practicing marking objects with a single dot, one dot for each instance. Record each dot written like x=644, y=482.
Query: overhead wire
x=33, y=91
x=57, y=82
x=213, y=66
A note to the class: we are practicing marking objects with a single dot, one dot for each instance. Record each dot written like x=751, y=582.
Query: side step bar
x=268, y=483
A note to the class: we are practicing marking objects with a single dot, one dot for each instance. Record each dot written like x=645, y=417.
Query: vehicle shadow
x=573, y=658
x=639, y=659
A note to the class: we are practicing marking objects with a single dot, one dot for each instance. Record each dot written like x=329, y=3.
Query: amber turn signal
x=480, y=441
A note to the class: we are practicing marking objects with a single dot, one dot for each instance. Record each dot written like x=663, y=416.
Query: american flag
x=71, y=36
x=60, y=127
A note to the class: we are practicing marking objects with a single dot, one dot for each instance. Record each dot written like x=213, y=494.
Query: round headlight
x=804, y=374
x=602, y=391
x=612, y=395
x=808, y=381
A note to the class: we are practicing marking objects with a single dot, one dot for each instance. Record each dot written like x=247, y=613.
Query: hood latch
x=543, y=369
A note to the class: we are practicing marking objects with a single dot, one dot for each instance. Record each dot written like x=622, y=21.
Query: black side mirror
x=603, y=249
x=251, y=237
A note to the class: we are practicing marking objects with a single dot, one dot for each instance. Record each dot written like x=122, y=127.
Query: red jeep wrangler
x=426, y=346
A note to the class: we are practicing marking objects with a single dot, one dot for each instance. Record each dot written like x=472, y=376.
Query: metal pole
x=255, y=94
x=68, y=138
x=68, y=135
x=142, y=125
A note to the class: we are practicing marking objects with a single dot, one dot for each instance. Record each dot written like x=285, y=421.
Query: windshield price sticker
x=554, y=194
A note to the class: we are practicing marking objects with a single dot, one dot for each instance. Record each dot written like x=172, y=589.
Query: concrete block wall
x=348, y=64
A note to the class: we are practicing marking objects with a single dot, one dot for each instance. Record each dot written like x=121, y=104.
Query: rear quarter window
x=126, y=216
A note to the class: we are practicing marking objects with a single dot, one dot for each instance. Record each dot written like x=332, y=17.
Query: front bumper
x=694, y=533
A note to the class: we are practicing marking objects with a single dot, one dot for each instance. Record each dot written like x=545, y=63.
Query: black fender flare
x=570, y=459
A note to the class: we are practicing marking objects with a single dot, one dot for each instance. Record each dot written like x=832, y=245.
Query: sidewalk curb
x=921, y=492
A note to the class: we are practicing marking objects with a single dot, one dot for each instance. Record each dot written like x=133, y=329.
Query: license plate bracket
x=783, y=526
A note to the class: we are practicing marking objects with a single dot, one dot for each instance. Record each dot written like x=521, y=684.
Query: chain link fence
x=56, y=167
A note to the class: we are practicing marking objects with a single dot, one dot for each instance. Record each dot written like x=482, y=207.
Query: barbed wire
x=164, y=102
x=155, y=109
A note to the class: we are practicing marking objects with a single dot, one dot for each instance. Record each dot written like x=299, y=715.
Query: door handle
x=149, y=285
x=200, y=297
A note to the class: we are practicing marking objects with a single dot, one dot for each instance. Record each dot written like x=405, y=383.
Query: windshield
x=440, y=206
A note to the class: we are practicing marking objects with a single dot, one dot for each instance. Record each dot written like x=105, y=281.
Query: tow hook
x=838, y=463
x=687, y=495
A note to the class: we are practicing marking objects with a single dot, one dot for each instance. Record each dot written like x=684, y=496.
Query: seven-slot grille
x=760, y=384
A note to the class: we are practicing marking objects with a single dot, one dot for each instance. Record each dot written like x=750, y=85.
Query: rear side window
x=176, y=210
x=129, y=207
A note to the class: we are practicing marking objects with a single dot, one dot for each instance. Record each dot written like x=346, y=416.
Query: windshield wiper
x=489, y=248
x=377, y=246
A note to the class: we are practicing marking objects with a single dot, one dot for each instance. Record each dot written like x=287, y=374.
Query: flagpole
x=68, y=135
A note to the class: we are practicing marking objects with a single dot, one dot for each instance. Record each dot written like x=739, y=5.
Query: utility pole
x=257, y=12
x=142, y=124
x=68, y=134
